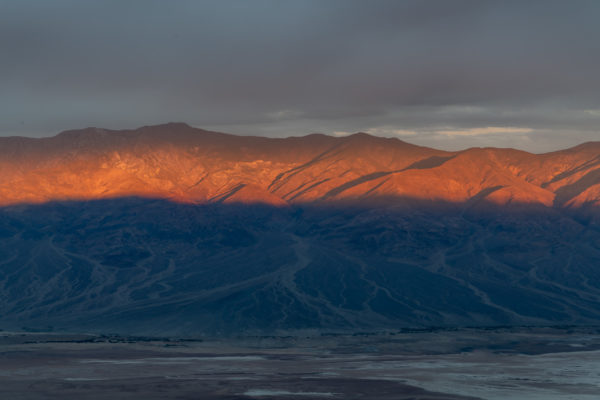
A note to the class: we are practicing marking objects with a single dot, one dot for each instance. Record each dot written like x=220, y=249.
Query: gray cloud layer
x=440, y=73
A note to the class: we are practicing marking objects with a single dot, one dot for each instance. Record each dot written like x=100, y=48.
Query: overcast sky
x=447, y=74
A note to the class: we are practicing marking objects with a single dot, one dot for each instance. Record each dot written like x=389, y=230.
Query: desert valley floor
x=493, y=363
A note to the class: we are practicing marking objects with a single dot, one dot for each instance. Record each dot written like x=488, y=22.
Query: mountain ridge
x=178, y=162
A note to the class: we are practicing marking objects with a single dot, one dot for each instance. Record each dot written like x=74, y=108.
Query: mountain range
x=171, y=229
x=180, y=163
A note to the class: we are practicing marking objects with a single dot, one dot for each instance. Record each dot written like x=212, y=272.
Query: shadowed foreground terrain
x=155, y=267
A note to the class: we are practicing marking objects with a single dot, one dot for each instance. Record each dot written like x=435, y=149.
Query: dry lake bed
x=500, y=363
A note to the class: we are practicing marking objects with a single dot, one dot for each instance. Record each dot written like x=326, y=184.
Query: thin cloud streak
x=489, y=130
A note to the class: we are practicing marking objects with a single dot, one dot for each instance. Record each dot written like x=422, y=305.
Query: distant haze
x=447, y=74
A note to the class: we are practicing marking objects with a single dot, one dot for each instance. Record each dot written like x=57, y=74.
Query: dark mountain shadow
x=301, y=192
x=151, y=266
x=365, y=178
x=224, y=196
x=431, y=162
x=567, y=192
x=588, y=164
x=481, y=195
x=285, y=176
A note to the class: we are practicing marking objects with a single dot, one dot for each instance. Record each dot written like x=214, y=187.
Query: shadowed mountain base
x=148, y=266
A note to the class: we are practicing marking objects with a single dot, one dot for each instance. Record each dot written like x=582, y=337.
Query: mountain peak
x=361, y=134
x=363, y=137
x=168, y=125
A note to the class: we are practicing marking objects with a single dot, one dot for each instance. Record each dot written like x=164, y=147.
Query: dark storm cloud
x=421, y=68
